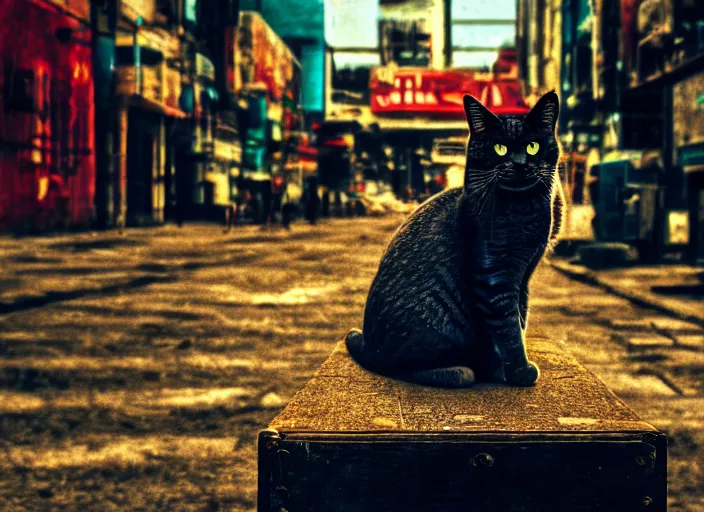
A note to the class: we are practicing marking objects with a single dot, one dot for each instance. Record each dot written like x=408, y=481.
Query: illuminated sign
x=421, y=91
x=262, y=59
x=677, y=227
x=189, y=10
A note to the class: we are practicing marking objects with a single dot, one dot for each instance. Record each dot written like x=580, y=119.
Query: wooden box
x=354, y=441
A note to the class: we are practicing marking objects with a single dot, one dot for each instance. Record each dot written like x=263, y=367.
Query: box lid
x=344, y=398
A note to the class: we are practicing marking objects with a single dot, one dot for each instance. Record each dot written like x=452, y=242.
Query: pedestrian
x=266, y=204
x=230, y=216
x=312, y=203
x=288, y=210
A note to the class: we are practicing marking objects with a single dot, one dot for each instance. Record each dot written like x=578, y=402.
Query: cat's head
x=514, y=153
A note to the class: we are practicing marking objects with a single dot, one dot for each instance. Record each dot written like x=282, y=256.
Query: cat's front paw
x=524, y=376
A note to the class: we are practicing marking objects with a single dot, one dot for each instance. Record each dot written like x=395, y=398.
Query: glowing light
x=395, y=97
x=430, y=98
x=382, y=101
x=496, y=99
x=43, y=187
x=408, y=97
x=484, y=95
x=420, y=99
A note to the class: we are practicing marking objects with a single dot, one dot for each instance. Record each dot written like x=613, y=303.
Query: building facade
x=47, y=170
x=630, y=77
x=115, y=113
x=148, y=87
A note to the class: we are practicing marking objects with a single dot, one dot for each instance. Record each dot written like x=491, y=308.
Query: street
x=137, y=370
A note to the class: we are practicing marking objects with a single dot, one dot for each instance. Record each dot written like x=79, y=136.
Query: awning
x=421, y=124
x=154, y=106
x=691, y=157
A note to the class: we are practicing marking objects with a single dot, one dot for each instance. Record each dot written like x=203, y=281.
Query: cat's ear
x=479, y=118
x=545, y=112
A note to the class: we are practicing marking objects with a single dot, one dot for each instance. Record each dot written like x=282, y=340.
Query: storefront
x=148, y=89
x=47, y=166
x=224, y=170
x=266, y=81
x=415, y=108
x=688, y=135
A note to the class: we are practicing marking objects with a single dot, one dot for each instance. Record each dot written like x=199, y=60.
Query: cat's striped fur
x=449, y=303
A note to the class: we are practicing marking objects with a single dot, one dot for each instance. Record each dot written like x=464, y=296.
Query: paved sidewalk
x=137, y=370
x=675, y=290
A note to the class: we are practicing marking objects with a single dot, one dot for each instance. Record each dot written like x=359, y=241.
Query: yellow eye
x=500, y=149
x=533, y=148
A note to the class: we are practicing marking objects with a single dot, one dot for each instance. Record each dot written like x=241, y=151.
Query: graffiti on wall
x=47, y=170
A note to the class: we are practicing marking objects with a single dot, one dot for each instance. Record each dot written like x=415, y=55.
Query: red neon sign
x=421, y=91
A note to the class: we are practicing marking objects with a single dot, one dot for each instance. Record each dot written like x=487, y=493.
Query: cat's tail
x=450, y=377
x=355, y=345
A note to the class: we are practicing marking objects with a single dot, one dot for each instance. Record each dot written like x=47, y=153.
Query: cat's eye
x=533, y=148
x=500, y=149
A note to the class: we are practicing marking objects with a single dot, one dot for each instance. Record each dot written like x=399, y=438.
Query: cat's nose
x=518, y=157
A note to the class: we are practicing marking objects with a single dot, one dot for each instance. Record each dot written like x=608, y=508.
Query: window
x=483, y=36
x=407, y=43
x=482, y=61
x=351, y=70
x=493, y=10
x=352, y=24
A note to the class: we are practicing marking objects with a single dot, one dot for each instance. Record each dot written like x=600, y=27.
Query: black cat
x=449, y=304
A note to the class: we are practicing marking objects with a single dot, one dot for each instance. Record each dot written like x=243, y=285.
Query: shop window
x=405, y=43
x=351, y=76
x=19, y=90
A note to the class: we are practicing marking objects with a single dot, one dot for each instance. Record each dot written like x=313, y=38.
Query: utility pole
x=447, y=4
x=103, y=17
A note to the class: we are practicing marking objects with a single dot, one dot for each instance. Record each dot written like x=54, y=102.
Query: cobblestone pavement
x=136, y=370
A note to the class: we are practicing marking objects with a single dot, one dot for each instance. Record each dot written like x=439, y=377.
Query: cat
x=449, y=303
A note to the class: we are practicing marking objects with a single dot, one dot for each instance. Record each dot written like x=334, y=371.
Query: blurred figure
x=312, y=199
x=230, y=216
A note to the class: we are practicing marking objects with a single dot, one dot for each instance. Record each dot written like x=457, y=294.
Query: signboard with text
x=261, y=57
x=429, y=92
